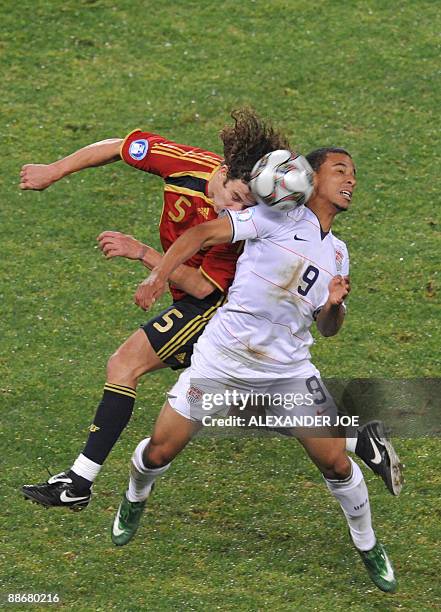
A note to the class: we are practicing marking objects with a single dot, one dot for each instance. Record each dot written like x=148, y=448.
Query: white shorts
x=216, y=385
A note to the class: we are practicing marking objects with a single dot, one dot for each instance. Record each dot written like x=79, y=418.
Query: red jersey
x=186, y=172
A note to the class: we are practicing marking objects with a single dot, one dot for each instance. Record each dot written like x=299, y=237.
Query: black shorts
x=175, y=330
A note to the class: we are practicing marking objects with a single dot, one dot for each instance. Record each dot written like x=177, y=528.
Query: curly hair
x=249, y=139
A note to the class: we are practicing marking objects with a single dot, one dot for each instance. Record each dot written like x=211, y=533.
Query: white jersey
x=281, y=284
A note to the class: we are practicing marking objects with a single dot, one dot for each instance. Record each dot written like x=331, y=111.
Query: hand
x=150, y=290
x=116, y=244
x=339, y=288
x=38, y=176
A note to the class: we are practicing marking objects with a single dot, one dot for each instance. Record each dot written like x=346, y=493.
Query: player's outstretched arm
x=331, y=317
x=40, y=176
x=188, y=279
x=190, y=242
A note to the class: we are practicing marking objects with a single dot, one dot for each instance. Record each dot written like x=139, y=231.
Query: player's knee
x=121, y=366
x=157, y=455
x=115, y=365
x=336, y=467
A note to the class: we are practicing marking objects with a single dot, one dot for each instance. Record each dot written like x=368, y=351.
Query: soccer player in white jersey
x=293, y=272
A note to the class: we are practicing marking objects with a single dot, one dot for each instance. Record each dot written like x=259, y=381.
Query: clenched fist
x=38, y=176
x=339, y=287
x=150, y=290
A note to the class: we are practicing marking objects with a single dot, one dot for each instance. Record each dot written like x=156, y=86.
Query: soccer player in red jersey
x=197, y=185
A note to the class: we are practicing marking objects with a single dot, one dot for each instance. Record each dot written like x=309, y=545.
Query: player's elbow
x=203, y=290
x=327, y=333
x=330, y=323
x=329, y=328
x=201, y=286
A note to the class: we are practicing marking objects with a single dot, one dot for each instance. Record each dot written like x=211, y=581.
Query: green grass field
x=238, y=524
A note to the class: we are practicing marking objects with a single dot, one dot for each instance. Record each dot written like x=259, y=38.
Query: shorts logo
x=244, y=215
x=194, y=395
x=138, y=149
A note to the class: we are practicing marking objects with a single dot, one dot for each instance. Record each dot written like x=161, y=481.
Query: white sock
x=141, y=477
x=351, y=443
x=352, y=494
x=86, y=468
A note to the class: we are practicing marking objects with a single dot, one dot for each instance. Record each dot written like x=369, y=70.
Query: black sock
x=113, y=414
x=81, y=485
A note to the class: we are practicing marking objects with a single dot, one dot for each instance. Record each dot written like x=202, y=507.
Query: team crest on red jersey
x=138, y=149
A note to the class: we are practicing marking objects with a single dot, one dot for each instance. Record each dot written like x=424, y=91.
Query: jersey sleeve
x=250, y=223
x=158, y=155
x=341, y=257
x=219, y=264
x=137, y=151
x=342, y=266
x=345, y=264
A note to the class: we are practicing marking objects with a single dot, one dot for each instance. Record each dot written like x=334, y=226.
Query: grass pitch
x=238, y=523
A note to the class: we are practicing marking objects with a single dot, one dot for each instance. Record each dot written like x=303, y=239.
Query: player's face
x=232, y=194
x=335, y=180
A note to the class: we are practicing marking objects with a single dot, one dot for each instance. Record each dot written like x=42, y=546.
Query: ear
x=223, y=174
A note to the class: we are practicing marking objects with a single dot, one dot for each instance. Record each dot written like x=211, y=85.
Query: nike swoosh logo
x=116, y=530
x=65, y=498
x=377, y=456
x=298, y=238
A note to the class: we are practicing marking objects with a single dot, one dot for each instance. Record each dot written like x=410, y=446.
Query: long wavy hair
x=245, y=142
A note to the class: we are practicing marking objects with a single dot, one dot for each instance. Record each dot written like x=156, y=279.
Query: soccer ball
x=282, y=180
